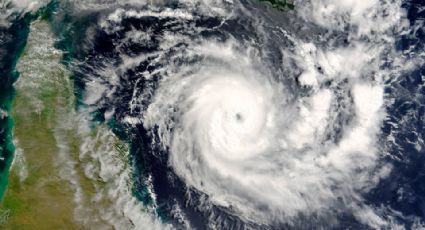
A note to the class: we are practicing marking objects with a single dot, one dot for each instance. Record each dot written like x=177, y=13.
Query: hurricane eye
x=239, y=117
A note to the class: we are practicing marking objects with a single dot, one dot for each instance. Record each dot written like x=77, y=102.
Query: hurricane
x=242, y=114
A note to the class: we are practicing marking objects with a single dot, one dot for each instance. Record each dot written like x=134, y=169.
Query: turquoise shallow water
x=93, y=53
x=14, y=40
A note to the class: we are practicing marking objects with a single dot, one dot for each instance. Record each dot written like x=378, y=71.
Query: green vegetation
x=36, y=197
x=46, y=138
x=14, y=45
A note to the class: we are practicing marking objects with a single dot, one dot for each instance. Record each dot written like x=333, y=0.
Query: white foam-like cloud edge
x=365, y=16
x=211, y=7
x=352, y=62
x=10, y=7
x=3, y=114
x=28, y=5
x=340, y=163
x=110, y=174
x=19, y=161
x=98, y=172
x=204, y=7
x=355, y=158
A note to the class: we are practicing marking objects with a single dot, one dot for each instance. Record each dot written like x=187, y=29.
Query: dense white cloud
x=233, y=134
x=237, y=133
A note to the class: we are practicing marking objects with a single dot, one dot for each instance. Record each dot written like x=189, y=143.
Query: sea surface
x=212, y=114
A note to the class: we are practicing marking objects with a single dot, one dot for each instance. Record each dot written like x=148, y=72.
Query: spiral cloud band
x=238, y=114
x=259, y=118
x=238, y=135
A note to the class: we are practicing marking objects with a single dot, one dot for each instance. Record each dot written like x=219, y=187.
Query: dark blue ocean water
x=403, y=191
